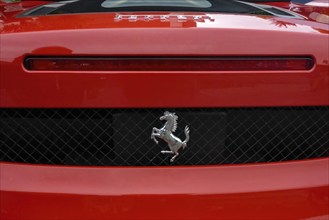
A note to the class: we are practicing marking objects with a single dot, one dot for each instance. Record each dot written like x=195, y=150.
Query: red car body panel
x=286, y=190
x=289, y=190
x=225, y=35
x=317, y=10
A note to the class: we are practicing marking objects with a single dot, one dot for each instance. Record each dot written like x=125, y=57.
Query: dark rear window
x=94, y=6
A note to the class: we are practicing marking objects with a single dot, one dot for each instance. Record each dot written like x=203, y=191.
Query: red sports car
x=164, y=109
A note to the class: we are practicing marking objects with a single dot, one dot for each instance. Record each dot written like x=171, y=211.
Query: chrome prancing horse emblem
x=165, y=133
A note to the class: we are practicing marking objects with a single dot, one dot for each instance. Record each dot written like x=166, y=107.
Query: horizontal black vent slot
x=106, y=137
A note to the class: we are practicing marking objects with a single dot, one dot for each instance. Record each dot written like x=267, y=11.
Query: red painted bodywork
x=100, y=35
x=287, y=190
x=291, y=190
x=317, y=10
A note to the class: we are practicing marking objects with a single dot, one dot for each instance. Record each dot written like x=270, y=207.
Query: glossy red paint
x=282, y=4
x=11, y=9
x=290, y=190
x=101, y=35
x=285, y=190
x=317, y=10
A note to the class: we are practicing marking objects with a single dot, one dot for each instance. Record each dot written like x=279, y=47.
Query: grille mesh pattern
x=122, y=136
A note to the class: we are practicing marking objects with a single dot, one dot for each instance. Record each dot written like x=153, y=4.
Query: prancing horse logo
x=165, y=133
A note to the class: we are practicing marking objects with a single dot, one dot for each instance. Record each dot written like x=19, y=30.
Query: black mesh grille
x=122, y=136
